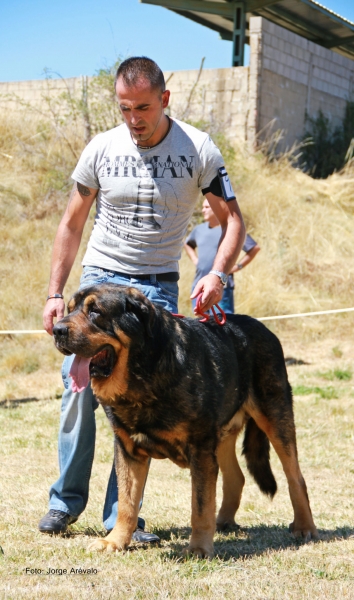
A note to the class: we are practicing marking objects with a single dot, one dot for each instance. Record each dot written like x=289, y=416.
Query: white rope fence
x=295, y=315
x=309, y=314
x=17, y=331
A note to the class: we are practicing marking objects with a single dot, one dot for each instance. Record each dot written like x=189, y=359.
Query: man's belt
x=172, y=276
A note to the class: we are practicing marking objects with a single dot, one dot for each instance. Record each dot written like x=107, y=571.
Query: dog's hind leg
x=280, y=429
x=204, y=473
x=232, y=482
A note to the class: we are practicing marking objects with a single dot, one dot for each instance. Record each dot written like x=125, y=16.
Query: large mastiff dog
x=180, y=389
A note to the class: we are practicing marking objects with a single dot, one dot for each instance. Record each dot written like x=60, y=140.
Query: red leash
x=206, y=316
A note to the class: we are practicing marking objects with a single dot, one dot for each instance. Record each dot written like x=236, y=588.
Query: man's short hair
x=134, y=69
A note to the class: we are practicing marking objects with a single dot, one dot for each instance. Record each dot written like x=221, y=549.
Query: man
x=145, y=176
x=206, y=237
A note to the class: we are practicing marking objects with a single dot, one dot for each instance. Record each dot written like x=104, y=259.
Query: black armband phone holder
x=221, y=186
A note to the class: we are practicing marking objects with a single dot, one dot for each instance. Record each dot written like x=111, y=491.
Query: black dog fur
x=180, y=389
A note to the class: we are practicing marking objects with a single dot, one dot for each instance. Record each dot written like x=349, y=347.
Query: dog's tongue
x=80, y=373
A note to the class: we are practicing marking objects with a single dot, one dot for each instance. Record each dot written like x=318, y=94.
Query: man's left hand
x=211, y=289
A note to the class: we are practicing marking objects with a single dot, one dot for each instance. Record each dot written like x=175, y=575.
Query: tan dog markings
x=131, y=475
x=303, y=525
x=117, y=384
x=233, y=481
x=201, y=543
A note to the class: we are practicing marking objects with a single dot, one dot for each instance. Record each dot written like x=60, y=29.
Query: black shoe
x=144, y=537
x=55, y=521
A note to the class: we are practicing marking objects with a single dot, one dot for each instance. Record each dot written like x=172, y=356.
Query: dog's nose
x=60, y=330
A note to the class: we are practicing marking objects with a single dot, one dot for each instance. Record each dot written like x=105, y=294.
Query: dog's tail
x=256, y=451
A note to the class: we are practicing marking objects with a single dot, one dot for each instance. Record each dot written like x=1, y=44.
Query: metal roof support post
x=239, y=34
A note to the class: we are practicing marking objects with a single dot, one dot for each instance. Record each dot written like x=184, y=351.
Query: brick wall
x=298, y=76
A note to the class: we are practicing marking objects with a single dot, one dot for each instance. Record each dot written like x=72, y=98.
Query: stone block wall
x=299, y=77
x=34, y=92
x=220, y=98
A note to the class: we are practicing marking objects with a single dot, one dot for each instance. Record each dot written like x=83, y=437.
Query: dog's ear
x=74, y=301
x=139, y=311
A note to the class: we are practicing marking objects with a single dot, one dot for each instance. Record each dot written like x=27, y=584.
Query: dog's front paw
x=105, y=545
x=199, y=551
x=304, y=532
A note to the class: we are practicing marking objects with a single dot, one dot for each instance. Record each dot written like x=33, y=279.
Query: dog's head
x=103, y=323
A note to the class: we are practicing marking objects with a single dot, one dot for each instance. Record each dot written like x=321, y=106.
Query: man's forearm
x=232, y=240
x=246, y=259
x=66, y=246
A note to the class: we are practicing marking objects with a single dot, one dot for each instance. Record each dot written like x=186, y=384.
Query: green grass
x=302, y=390
x=341, y=374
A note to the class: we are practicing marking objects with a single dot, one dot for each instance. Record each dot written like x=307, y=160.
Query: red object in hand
x=207, y=317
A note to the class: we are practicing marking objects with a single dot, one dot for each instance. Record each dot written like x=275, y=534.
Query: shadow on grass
x=244, y=542
x=15, y=403
x=79, y=529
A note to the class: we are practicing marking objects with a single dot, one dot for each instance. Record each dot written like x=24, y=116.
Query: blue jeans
x=226, y=303
x=77, y=429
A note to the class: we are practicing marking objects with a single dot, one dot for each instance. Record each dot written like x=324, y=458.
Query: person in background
x=206, y=238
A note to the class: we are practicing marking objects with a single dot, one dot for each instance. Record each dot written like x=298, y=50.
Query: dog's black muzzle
x=61, y=335
x=60, y=331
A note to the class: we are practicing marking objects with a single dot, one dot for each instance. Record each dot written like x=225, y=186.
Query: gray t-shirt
x=207, y=239
x=146, y=197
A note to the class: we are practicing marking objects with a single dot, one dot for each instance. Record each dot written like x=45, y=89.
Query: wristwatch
x=223, y=276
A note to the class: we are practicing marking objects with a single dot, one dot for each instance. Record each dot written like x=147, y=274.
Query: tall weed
x=328, y=149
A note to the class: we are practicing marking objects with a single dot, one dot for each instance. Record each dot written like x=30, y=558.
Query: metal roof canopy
x=230, y=19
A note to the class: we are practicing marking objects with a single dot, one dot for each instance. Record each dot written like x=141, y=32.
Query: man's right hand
x=211, y=289
x=66, y=245
x=55, y=307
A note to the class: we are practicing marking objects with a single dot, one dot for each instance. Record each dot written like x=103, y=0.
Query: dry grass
x=260, y=560
x=304, y=227
x=307, y=262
